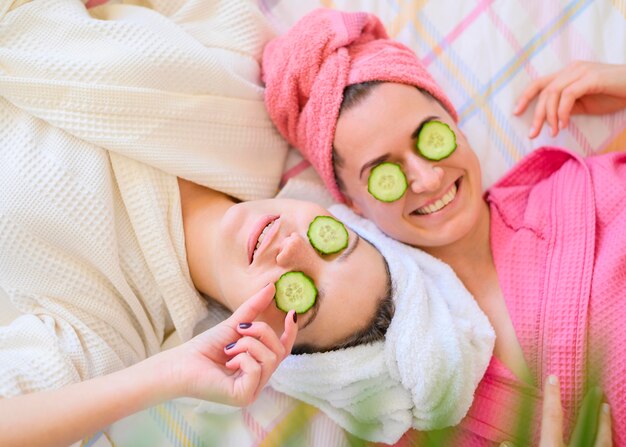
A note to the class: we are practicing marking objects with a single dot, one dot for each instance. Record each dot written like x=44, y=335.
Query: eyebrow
x=384, y=157
x=373, y=162
x=417, y=130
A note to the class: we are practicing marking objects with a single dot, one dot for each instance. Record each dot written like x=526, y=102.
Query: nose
x=423, y=175
x=295, y=253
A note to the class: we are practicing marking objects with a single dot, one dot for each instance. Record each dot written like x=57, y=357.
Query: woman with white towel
x=229, y=363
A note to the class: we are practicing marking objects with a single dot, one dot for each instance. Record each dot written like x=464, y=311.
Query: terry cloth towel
x=423, y=375
x=97, y=110
x=306, y=70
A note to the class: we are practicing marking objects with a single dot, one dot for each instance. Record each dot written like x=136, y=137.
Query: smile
x=259, y=234
x=438, y=204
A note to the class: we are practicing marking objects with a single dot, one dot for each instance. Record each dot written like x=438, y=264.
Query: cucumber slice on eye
x=295, y=290
x=436, y=141
x=327, y=235
x=387, y=182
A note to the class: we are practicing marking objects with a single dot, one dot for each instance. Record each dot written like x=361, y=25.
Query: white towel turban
x=423, y=375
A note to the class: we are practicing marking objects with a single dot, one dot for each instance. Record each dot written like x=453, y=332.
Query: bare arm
x=63, y=416
x=203, y=367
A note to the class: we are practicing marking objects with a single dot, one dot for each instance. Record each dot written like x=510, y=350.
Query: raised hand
x=231, y=362
x=580, y=88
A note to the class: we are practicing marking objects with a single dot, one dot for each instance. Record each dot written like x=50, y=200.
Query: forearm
x=63, y=416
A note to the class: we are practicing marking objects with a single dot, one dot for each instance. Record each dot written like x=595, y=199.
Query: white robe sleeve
x=70, y=260
x=176, y=87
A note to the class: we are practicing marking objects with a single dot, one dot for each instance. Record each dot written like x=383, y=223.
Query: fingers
x=266, y=358
x=531, y=91
x=265, y=334
x=552, y=415
x=604, y=436
x=554, y=92
x=550, y=106
x=557, y=96
x=262, y=344
x=584, y=432
x=539, y=117
x=253, y=306
x=246, y=383
x=570, y=95
x=291, y=331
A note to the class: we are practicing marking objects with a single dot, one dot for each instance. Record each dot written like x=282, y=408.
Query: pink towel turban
x=306, y=70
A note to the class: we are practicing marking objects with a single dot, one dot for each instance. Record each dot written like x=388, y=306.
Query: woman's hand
x=231, y=362
x=593, y=427
x=201, y=368
x=582, y=87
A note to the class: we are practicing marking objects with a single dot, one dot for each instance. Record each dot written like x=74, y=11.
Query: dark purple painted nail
x=244, y=325
x=230, y=345
x=295, y=317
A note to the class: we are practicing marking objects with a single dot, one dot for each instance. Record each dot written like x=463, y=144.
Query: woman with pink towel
x=542, y=251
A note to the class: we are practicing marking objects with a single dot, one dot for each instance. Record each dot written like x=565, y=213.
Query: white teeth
x=439, y=204
x=262, y=236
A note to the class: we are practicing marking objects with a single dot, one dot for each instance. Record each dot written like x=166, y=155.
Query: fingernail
x=506, y=444
x=244, y=325
x=561, y=125
x=531, y=131
x=295, y=317
x=517, y=107
x=605, y=408
x=230, y=345
x=552, y=380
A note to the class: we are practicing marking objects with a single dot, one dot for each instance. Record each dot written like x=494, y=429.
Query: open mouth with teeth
x=261, y=237
x=439, y=204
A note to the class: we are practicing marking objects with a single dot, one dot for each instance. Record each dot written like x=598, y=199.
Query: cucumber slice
x=327, y=235
x=387, y=182
x=436, y=141
x=295, y=290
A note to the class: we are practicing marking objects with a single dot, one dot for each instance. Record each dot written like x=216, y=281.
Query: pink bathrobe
x=558, y=235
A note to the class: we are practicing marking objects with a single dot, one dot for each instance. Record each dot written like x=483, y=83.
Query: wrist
x=159, y=377
x=167, y=374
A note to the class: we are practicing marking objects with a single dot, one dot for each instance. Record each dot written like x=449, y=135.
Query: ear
x=353, y=206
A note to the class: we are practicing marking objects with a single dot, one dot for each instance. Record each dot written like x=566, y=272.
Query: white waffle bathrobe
x=99, y=112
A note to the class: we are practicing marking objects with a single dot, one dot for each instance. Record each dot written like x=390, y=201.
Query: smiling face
x=261, y=240
x=443, y=201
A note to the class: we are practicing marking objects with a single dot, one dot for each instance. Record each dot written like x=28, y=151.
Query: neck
x=202, y=209
x=470, y=257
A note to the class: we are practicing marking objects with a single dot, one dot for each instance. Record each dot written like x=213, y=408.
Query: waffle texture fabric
x=99, y=112
x=557, y=235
